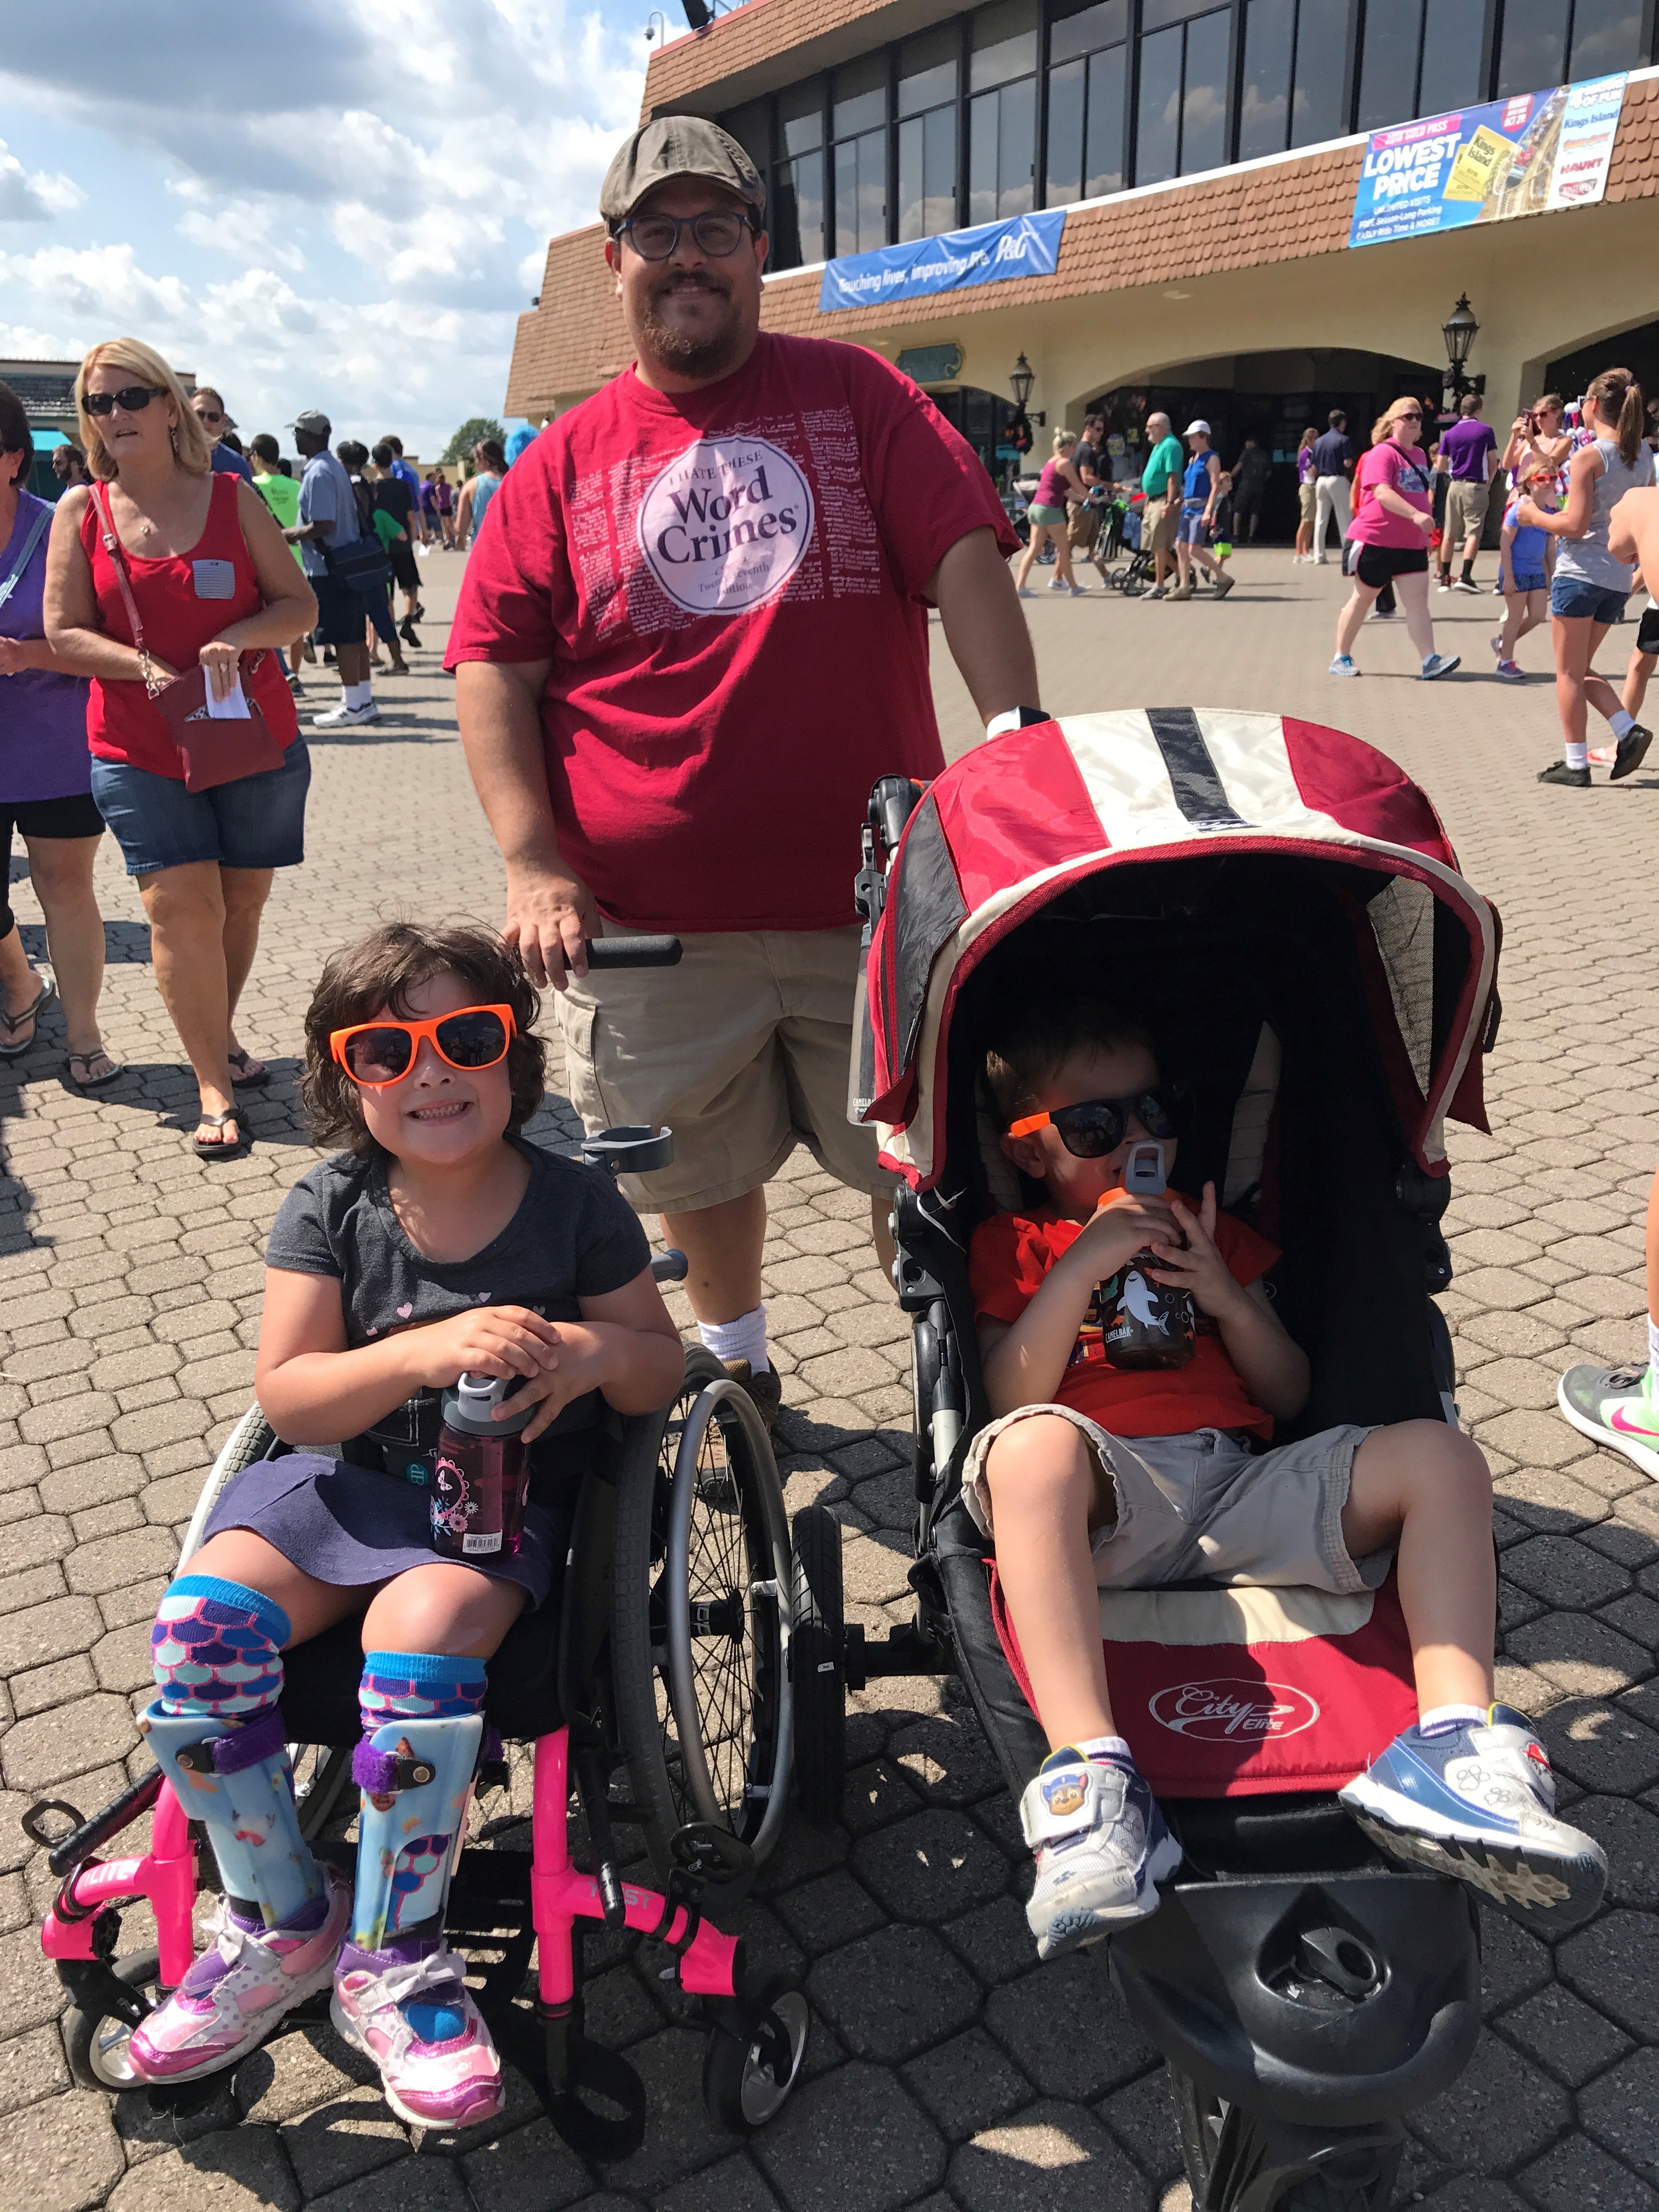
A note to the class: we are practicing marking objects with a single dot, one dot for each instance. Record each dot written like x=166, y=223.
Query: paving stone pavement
x=945, y=2068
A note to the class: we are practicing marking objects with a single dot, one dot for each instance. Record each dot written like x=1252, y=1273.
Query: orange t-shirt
x=1009, y=1257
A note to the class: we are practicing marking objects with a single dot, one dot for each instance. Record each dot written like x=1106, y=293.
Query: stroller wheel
x=753, y=2061
x=1232, y=2160
x=96, y=2044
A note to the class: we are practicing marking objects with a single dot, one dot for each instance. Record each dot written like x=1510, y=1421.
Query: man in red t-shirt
x=693, y=637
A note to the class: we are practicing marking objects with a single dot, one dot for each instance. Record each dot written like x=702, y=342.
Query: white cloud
x=34, y=195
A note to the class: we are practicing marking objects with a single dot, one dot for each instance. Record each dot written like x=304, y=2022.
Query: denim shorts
x=258, y=822
x=1576, y=601
x=1530, y=579
x=341, y=612
x=1193, y=529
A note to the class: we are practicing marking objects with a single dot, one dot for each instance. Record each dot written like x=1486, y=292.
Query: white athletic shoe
x=345, y=718
x=1101, y=1848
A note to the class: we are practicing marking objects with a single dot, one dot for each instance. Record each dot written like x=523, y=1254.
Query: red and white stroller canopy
x=1020, y=819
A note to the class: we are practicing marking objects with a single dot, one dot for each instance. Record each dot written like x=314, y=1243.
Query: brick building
x=1207, y=155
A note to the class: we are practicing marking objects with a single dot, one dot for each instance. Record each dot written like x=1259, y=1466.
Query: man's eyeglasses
x=132, y=398
x=208, y=415
x=719, y=232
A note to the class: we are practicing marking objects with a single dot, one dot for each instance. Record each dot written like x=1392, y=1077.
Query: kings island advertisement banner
x=1022, y=245
x=1537, y=151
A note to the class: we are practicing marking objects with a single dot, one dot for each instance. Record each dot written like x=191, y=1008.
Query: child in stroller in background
x=439, y=1242
x=1094, y=1477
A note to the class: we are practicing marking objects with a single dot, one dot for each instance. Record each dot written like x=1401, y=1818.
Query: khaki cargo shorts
x=1206, y=1505
x=1307, y=500
x=1466, y=510
x=1165, y=521
x=742, y=1050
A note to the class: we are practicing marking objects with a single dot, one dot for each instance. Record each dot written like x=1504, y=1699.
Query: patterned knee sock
x=216, y=1649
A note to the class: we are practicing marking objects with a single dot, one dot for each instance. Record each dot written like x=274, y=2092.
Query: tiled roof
x=1242, y=219
x=750, y=35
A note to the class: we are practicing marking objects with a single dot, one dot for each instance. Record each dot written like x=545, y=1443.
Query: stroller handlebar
x=634, y=952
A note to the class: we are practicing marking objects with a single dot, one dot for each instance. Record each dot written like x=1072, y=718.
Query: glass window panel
x=1204, y=109
x=1004, y=41
x=1533, y=53
x=1016, y=148
x=1264, y=112
x=1103, y=168
x=751, y=127
x=1085, y=29
x=927, y=71
x=797, y=215
x=1321, y=45
x=859, y=101
x=1155, y=14
x=1451, y=56
x=861, y=192
x=1387, y=66
x=800, y=118
x=1607, y=35
x=927, y=174
x=982, y=158
x=1158, y=122
x=1068, y=88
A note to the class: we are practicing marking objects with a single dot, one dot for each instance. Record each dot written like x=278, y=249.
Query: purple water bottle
x=481, y=1475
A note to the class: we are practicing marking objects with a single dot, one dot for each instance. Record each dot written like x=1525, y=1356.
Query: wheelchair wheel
x=96, y=2044
x=321, y=1772
x=250, y=1439
x=700, y=1590
x=818, y=1663
x=752, y=2063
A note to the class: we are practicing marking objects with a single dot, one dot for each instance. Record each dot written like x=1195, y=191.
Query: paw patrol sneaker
x=1100, y=1846
x=1478, y=1801
x=1618, y=1407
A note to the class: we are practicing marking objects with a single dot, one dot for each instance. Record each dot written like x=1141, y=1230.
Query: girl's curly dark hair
x=380, y=970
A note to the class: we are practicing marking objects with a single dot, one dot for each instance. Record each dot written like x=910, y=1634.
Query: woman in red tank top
x=210, y=581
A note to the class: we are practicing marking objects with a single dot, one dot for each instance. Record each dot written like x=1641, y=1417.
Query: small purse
x=361, y=562
x=213, y=750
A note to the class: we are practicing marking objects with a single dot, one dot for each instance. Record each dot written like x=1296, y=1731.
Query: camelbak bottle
x=481, y=1475
x=1145, y=1324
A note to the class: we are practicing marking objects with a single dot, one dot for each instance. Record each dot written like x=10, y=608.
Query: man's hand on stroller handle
x=551, y=916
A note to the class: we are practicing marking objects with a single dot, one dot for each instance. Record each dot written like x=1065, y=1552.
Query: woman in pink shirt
x=1393, y=516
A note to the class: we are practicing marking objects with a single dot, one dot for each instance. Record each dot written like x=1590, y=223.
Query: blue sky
x=340, y=204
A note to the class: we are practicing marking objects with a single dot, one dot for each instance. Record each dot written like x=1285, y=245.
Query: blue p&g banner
x=1022, y=245
x=1537, y=151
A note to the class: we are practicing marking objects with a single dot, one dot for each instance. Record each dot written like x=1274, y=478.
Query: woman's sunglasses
x=132, y=398
x=374, y=1053
x=1095, y=1127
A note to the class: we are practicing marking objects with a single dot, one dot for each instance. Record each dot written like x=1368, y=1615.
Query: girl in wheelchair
x=1097, y=1476
x=439, y=1242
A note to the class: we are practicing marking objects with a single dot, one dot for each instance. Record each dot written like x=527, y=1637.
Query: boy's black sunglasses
x=1095, y=1126
x=132, y=398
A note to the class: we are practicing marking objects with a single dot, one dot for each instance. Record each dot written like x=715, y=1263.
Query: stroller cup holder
x=632, y=1148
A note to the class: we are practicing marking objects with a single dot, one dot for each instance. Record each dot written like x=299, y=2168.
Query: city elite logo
x=724, y=527
x=1227, y=1711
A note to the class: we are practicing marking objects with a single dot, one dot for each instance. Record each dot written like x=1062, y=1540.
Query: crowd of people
x=145, y=626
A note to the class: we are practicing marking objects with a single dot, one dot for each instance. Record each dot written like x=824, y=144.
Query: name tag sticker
x=214, y=579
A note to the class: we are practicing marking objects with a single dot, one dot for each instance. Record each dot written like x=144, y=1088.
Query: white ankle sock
x=1107, y=1746
x=359, y=695
x=1653, y=1347
x=1577, y=755
x=1621, y=722
x=742, y=1339
x=1448, y=1716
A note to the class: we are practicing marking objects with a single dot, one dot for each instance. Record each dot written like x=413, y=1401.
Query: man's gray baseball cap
x=312, y=420
x=671, y=146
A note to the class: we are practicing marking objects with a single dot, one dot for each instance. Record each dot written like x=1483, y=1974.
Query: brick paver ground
x=945, y=2068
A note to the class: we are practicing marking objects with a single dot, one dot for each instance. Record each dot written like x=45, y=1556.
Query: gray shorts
x=1207, y=1506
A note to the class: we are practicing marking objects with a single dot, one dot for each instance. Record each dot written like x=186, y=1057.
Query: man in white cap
x=695, y=635
x=1200, y=488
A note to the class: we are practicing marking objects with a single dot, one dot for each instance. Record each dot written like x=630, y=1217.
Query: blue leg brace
x=216, y=1731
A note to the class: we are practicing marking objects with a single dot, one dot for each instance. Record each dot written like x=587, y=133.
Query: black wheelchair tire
x=818, y=1663
x=90, y=2039
x=740, y=2088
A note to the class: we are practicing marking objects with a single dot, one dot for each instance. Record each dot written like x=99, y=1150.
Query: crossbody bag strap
x=36, y=531
x=153, y=684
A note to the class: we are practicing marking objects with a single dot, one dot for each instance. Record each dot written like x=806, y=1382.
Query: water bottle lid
x=471, y=1406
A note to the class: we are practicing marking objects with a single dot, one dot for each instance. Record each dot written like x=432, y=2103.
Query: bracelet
x=1014, y=718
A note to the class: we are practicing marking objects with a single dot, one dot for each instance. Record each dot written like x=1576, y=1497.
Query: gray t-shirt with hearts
x=573, y=1237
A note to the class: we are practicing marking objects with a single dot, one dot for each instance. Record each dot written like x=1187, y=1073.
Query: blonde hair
x=1063, y=439
x=191, y=444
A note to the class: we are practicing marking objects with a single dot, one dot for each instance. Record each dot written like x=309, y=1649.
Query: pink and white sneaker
x=239, y=1988
x=417, y=2020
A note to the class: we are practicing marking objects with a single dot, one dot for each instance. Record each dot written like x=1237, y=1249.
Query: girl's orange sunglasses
x=375, y=1054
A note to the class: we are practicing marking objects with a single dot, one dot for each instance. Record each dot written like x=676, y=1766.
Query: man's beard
x=677, y=350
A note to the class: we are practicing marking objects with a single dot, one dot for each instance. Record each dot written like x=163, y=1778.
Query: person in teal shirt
x=1161, y=482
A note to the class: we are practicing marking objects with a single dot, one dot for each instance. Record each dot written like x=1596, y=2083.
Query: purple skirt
x=347, y=1525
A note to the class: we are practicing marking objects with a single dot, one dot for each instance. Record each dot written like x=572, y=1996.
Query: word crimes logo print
x=726, y=526
x=1229, y=1711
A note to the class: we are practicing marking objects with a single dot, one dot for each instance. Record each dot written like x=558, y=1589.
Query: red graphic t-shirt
x=726, y=583
x=1011, y=1255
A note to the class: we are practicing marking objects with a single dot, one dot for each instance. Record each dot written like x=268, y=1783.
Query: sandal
x=220, y=1150
x=12, y=1023
x=245, y=1072
x=85, y=1081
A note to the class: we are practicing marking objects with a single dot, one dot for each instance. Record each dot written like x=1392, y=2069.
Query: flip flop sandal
x=91, y=1082
x=12, y=1023
x=221, y=1151
x=239, y=1064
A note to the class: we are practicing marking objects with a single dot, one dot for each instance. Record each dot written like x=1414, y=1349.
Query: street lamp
x=1459, y=331
x=1020, y=382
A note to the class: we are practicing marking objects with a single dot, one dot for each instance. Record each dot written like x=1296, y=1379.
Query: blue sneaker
x=1442, y=664
x=1478, y=1801
x=1342, y=666
x=1101, y=1848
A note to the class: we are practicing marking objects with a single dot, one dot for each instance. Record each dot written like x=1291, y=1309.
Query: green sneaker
x=1617, y=1406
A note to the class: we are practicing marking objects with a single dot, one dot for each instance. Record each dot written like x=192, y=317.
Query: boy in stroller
x=1094, y=1477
